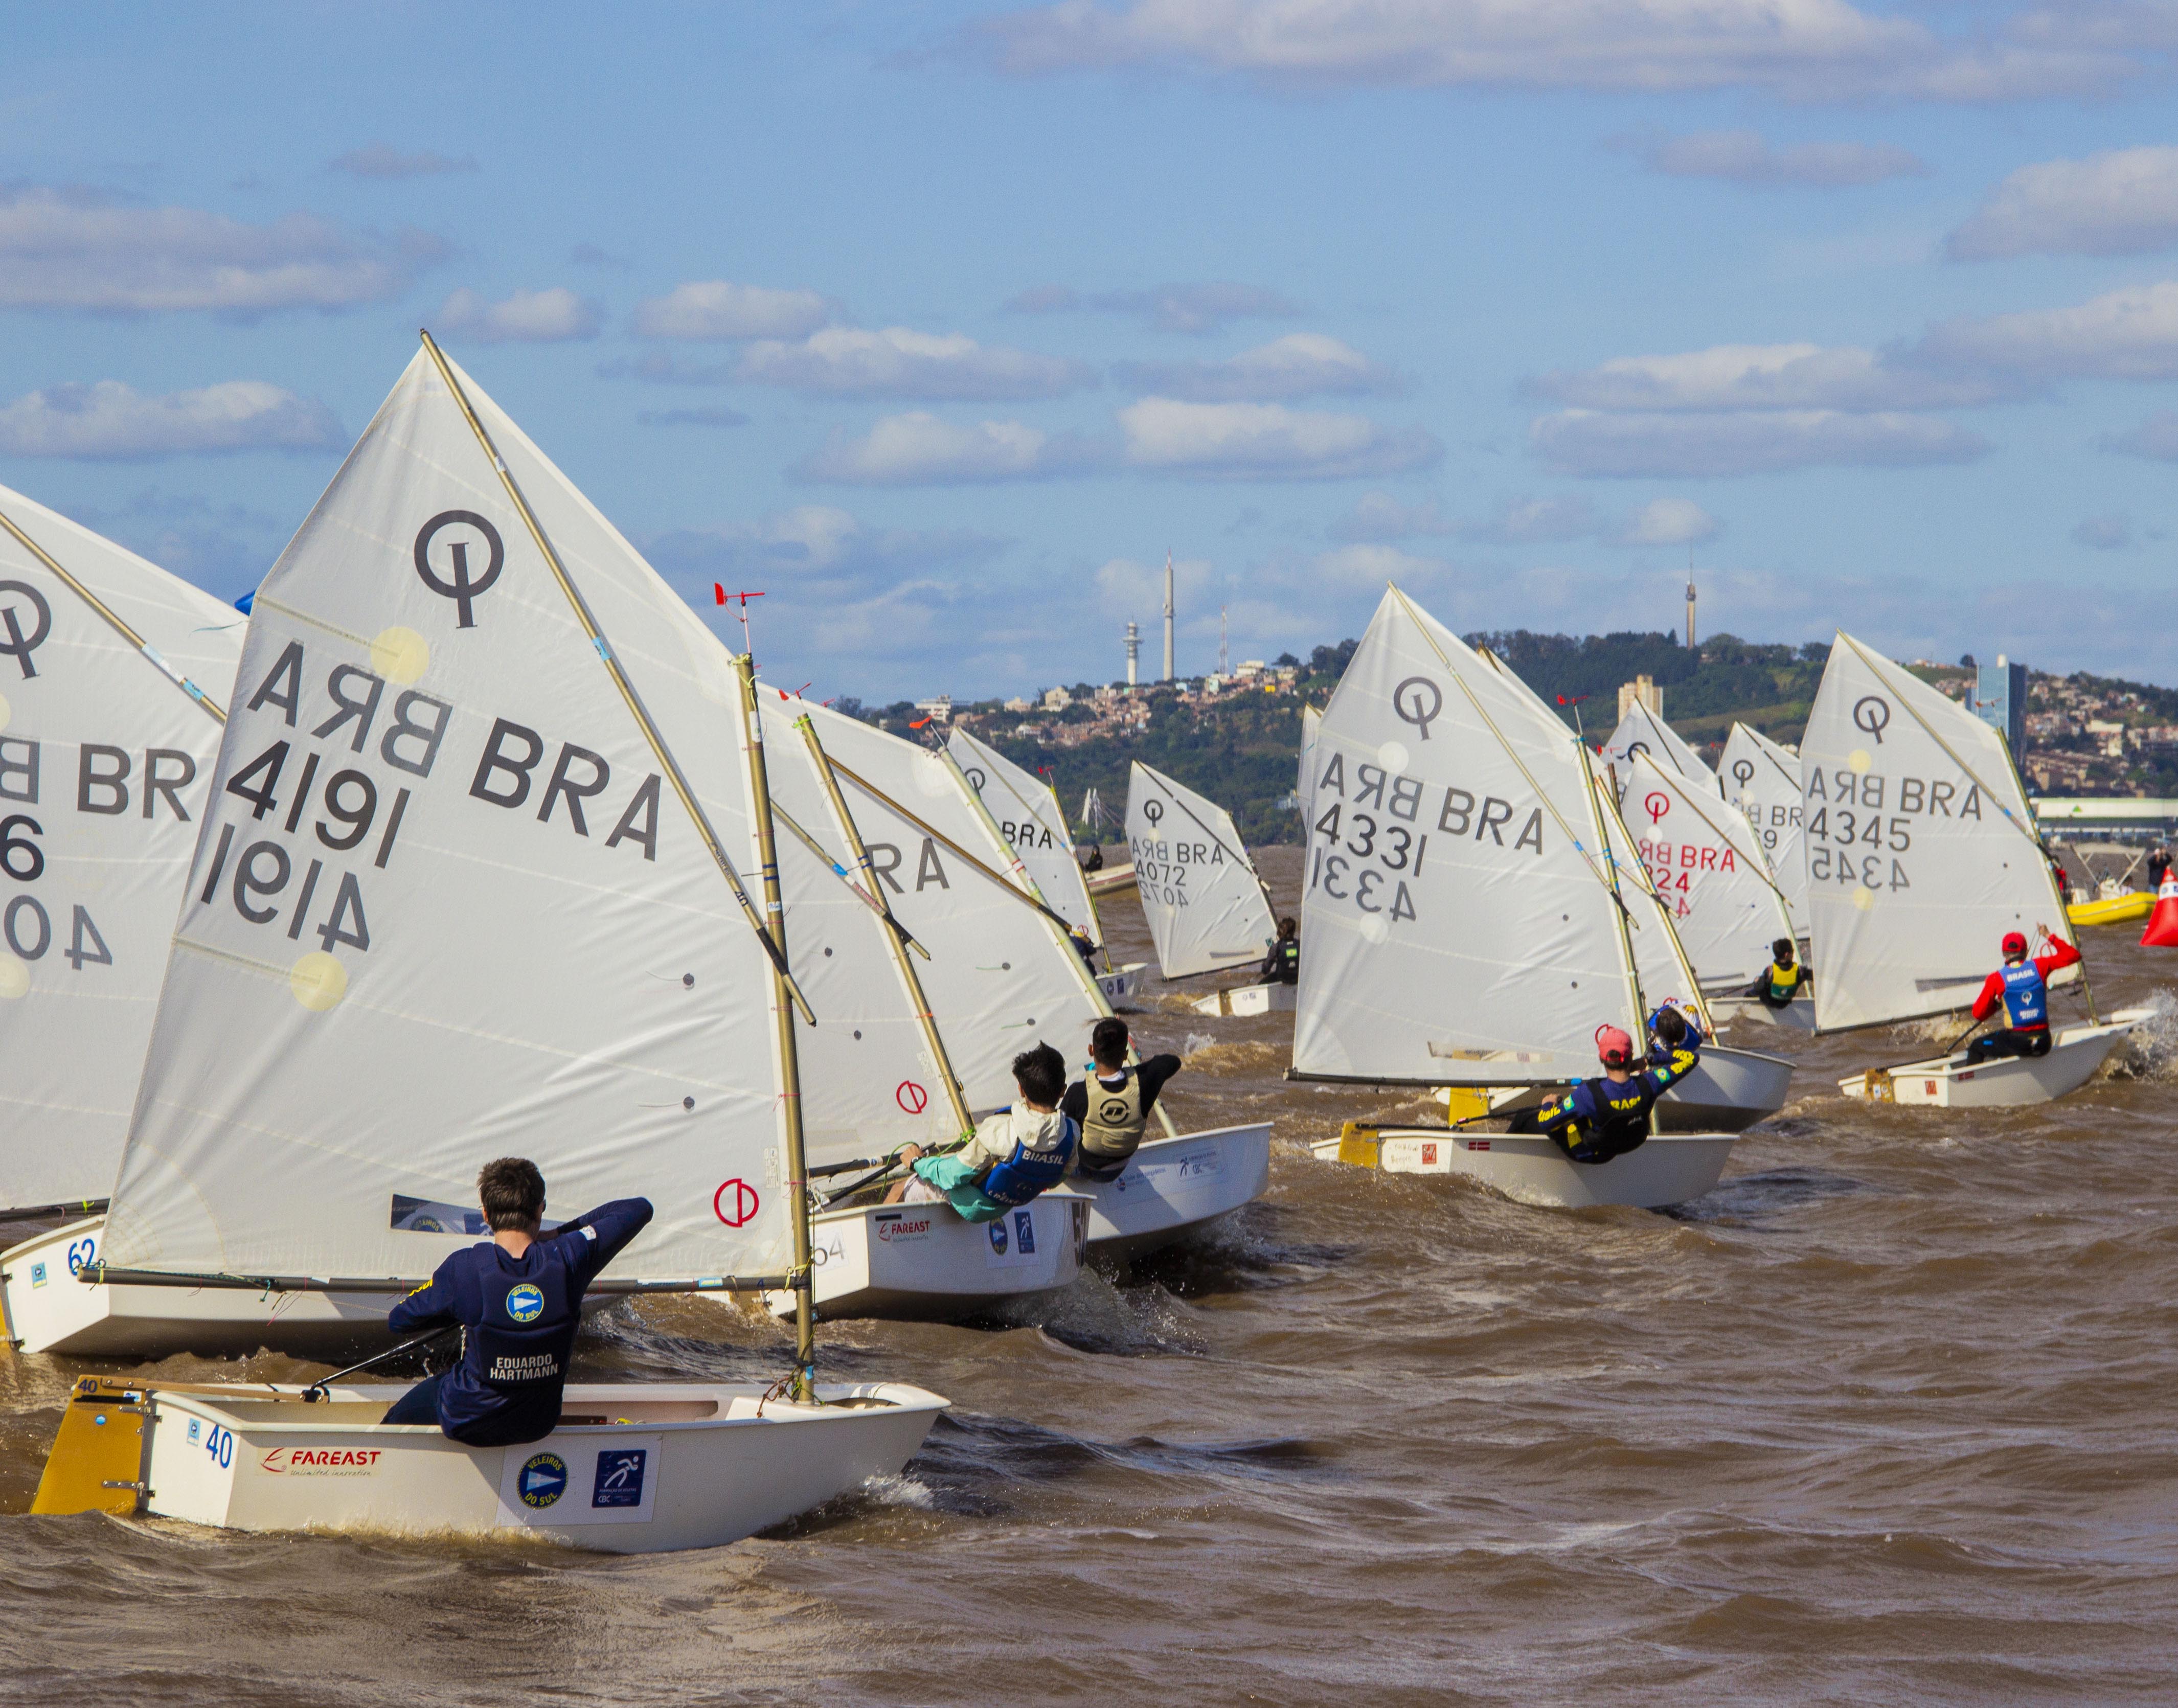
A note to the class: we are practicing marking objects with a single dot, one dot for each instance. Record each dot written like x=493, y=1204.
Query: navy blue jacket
x=519, y=1318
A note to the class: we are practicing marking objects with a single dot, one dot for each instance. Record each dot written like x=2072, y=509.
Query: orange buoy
x=2162, y=931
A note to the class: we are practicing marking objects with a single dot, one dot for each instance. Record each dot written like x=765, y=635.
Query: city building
x=1642, y=691
x=2000, y=700
x=941, y=707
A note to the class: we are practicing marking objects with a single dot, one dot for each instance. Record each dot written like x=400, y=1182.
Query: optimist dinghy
x=1247, y=999
x=1762, y=778
x=1464, y=919
x=614, y=1003
x=116, y=681
x=633, y=1467
x=1922, y=855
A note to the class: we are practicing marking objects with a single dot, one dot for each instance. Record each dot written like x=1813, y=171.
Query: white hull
x=920, y=1262
x=1124, y=985
x=1942, y=1082
x=679, y=1466
x=1172, y=1186
x=48, y=1310
x=1797, y=1016
x=1112, y=879
x=1728, y=1092
x=1669, y=1169
x=1248, y=999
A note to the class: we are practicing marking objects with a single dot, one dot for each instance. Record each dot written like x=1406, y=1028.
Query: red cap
x=1613, y=1048
x=2014, y=944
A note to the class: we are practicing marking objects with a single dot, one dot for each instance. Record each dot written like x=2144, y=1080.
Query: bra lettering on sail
x=461, y=589
x=19, y=646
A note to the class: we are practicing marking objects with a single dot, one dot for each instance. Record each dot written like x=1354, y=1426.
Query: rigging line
x=937, y=836
x=932, y=1036
x=840, y=871
x=113, y=619
x=1758, y=867
x=1761, y=746
x=1491, y=723
x=611, y=660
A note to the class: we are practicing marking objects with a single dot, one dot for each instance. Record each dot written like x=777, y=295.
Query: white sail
x=1642, y=731
x=445, y=908
x=1199, y=889
x=1921, y=852
x=1312, y=720
x=869, y=1082
x=1705, y=861
x=1763, y=779
x=1460, y=923
x=106, y=761
x=1001, y=977
x=1025, y=808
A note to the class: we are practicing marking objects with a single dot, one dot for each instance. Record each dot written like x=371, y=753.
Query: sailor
x=1015, y=1155
x=1281, y=965
x=1600, y=1119
x=1783, y=979
x=2023, y=986
x=1095, y=863
x=2158, y=866
x=1112, y=1105
x=518, y=1300
x=1079, y=937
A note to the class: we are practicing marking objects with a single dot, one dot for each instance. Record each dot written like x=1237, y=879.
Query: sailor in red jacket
x=2023, y=987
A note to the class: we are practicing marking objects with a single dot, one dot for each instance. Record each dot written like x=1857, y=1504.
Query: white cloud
x=1194, y=309
x=1380, y=516
x=552, y=316
x=1801, y=49
x=1583, y=442
x=112, y=421
x=1300, y=365
x=60, y=251
x=1267, y=441
x=2156, y=438
x=2121, y=203
x=848, y=362
x=383, y=159
x=1744, y=157
x=1130, y=588
x=2103, y=533
x=2130, y=334
x=691, y=417
x=1770, y=376
x=817, y=544
x=919, y=450
x=1531, y=521
x=1669, y=521
x=716, y=309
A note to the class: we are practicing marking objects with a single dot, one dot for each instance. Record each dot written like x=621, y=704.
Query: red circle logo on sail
x=734, y=1202
x=912, y=1097
x=1657, y=804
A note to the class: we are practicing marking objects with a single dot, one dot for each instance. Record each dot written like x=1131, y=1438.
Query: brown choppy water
x=1887, y=1417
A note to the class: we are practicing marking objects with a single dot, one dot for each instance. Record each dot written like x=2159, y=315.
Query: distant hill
x=1241, y=748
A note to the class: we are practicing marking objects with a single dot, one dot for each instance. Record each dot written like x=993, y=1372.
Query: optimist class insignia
x=544, y=1479
x=525, y=1303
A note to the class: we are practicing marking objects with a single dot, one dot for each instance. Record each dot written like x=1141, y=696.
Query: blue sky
x=942, y=324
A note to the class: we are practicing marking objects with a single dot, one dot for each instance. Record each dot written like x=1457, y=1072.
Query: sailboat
x=1206, y=904
x=114, y=679
x=1002, y=975
x=465, y=888
x=928, y=975
x=1763, y=779
x=1731, y=1089
x=1026, y=810
x=1922, y=855
x=1465, y=921
x=1706, y=859
x=1640, y=731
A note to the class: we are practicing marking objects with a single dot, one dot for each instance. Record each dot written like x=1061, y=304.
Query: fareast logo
x=321, y=1461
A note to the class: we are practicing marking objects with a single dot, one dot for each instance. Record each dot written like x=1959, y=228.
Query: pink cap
x=1613, y=1047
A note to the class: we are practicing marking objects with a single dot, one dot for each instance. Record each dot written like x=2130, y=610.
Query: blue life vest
x=1026, y=1173
x=2026, y=997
